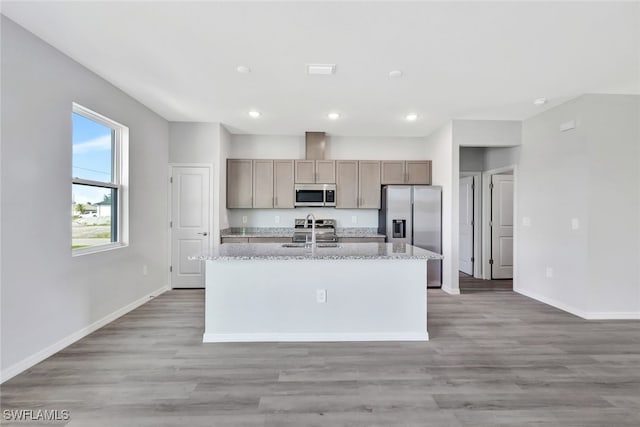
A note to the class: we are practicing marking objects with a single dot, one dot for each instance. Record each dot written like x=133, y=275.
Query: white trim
x=552, y=302
x=38, y=357
x=587, y=315
x=211, y=227
x=450, y=291
x=613, y=315
x=119, y=180
x=477, y=222
x=486, y=217
x=316, y=337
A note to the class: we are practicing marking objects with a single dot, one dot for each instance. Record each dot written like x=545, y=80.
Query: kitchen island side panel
x=276, y=300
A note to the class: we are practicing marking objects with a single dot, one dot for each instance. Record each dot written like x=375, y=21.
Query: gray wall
x=472, y=159
x=481, y=159
x=48, y=295
x=592, y=174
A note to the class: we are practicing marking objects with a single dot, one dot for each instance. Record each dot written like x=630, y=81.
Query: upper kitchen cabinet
x=283, y=173
x=393, y=172
x=325, y=171
x=239, y=183
x=315, y=171
x=419, y=172
x=263, y=184
x=406, y=172
x=369, y=183
x=347, y=184
x=358, y=184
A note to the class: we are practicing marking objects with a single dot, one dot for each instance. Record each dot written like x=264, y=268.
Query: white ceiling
x=460, y=60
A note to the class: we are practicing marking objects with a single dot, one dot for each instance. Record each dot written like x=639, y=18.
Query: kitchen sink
x=318, y=245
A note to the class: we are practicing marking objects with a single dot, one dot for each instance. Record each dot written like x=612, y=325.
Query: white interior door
x=466, y=225
x=189, y=224
x=502, y=226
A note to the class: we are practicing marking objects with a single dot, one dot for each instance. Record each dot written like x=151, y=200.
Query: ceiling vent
x=321, y=69
x=315, y=145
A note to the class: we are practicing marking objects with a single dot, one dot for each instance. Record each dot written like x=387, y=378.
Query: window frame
x=119, y=180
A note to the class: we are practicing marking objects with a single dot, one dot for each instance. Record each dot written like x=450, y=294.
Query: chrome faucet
x=313, y=229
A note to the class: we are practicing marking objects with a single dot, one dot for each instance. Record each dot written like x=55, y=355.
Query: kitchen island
x=352, y=292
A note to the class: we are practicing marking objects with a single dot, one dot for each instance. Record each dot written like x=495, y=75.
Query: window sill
x=98, y=249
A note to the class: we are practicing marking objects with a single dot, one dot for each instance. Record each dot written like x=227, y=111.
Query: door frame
x=486, y=218
x=477, y=222
x=170, y=201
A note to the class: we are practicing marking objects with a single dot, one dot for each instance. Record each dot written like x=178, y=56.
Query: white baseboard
x=451, y=291
x=613, y=315
x=587, y=315
x=38, y=357
x=316, y=337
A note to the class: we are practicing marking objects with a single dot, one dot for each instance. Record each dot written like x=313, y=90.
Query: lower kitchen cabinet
x=235, y=240
x=270, y=239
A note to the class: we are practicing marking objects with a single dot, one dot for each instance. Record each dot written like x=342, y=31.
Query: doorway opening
x=486, y=218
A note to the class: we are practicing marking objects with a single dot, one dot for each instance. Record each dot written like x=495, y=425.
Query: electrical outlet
x=354, y=219
x=277, y=219
x=321, y=296
x=244, y=219
x=145, y=270
x=526, y=221
x=549, y=272
x=575, y=223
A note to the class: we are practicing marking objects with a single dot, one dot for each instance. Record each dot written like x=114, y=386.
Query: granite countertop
x=276, y=251
x=288, y=232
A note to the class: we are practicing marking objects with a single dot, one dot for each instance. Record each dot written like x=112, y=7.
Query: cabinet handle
x=275, y=202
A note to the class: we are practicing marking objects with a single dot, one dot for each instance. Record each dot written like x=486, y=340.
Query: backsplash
x=267, y=217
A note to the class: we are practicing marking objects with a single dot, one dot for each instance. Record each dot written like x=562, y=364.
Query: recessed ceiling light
x=395, y=73
x=321, y=69
x=540, y=101
x=412, y=117
x=243, y=69
x=255, y=114
x=333, y=116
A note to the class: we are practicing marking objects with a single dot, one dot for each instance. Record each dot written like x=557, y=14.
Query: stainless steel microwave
x=315, y=195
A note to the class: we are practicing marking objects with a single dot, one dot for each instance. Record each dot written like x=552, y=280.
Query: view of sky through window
x=92, y=157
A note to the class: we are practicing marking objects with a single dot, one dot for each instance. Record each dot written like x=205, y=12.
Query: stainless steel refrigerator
x=413, y=214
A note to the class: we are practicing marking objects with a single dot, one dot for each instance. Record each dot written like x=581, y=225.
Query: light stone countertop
x=276, y=251
x=288, y=232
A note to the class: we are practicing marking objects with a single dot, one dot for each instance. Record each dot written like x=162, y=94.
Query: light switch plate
x=526, y=221
x=549, y=272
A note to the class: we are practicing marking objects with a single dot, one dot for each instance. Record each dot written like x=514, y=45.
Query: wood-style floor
x=494, y=359
x=471, y=284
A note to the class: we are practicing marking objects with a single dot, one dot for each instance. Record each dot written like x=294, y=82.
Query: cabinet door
x=239, y=183
x=263, y=183
x=305, y=171
x=369, y=184
x=283, y=184
x=347, y=184
x=393, y=171
x=419, y=172
x=325, y=171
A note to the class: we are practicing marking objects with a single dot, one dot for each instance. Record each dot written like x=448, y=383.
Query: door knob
x=204, y=233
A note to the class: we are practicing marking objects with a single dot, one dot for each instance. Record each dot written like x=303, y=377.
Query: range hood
x=315, y=145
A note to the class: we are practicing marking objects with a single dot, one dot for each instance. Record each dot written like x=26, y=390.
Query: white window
x=99, y=182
